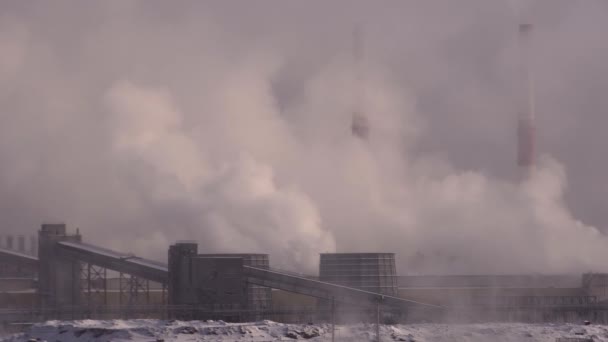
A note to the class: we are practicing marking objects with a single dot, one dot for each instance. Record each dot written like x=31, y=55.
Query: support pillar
x=95, y=282
x=378, y=322
x=333, y=320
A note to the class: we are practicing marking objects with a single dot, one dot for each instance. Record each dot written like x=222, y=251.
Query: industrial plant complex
x=70, y=279
x=57, y=274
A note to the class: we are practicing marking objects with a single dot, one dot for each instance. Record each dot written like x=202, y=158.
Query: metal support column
x=378, y=320
x=333, y=320
x=96, y=285
x=133, y=291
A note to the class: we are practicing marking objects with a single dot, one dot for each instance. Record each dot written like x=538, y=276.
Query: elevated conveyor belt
x=323, y=290
x=10, y=256
x=116, y=261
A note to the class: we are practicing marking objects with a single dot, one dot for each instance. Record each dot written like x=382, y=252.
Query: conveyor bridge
x=323, y=290
x=116, y=261
x=16, y=264
x=10, y=256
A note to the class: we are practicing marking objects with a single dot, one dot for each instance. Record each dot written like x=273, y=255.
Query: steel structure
x=373, y=272
x=90, y=265
x=135, y=274
x=116, y=261
x=95, y=284
x=16, y=264
x=325, y=290
x=75, y=274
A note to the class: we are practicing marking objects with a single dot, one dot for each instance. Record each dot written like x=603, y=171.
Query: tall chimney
x=9, y=242
x=33, y=245
x=526, y=125
x=360, y=122
x=21, y=243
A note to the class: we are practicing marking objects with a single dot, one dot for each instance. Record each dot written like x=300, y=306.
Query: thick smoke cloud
x=145, y=122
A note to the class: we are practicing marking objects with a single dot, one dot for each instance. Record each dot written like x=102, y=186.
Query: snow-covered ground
x=155, y=330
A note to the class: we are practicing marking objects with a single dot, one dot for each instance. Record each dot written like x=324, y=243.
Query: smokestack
x=526, y=125
x=33, y=245
x=9, y=242
x=21, y=243
x=360, y=123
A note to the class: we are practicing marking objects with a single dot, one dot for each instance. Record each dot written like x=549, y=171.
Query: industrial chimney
x=360, y=123
x=21, y=243
x=33, y=245
x=9, y=242
x=526, y=126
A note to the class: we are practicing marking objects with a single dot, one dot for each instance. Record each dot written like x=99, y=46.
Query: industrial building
x=73, y=279
x=208, y=280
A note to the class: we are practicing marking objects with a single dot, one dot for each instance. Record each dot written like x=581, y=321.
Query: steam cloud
x=144, y=123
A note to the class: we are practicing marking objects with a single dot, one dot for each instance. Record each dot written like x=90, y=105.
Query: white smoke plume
x=235, y=202
x=144, y=123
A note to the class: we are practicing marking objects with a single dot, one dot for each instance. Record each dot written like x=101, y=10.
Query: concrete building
x=257, y=297
x=58, y=276
x=215, y=282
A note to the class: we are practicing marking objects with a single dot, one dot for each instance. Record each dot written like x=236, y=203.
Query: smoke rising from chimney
x=144, y=123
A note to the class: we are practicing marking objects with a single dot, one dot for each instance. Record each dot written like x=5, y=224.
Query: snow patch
x=179, y=331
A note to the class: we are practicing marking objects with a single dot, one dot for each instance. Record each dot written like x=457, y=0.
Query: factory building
x=214, y=283
x=77, y=279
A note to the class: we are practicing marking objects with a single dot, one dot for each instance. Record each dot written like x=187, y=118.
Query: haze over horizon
x=228, y=122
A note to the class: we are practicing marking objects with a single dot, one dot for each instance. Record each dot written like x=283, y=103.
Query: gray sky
x=145, y=122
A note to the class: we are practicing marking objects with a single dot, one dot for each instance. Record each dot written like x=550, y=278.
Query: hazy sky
x=227, y=122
